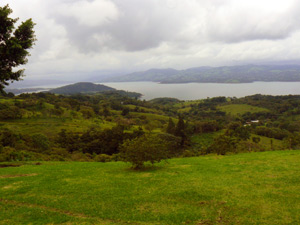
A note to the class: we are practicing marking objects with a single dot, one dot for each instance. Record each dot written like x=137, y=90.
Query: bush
x=40, y=142
x=8, y=154
x=146, y=148
x=8, y=138
x=80, y=157
x=188, y=153
x=103, y=158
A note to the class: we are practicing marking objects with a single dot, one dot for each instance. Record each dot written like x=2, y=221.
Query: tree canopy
x=14, y=46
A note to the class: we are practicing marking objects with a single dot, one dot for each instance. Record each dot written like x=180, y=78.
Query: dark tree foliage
x=8, y=138
x=179, y=130
x=125, y=111
x=223, y=144
x=14, y=45
x=171, y=126
x=237, y=130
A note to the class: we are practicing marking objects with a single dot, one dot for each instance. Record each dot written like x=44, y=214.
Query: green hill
x=252, y=188
x=82, y=87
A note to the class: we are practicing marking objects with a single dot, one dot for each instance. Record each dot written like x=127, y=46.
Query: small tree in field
x=146, y=148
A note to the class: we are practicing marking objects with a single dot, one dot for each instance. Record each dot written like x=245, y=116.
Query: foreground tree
x=147, y=148
x=14, y=46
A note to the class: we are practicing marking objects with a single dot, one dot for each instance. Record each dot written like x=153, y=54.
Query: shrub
x=80, y=157
x=103, y=158
x=10, y=154
x=40, y=142
x=146, y=148
x=188, y=153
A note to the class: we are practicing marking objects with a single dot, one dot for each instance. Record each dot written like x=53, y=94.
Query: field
x=252, y=188
x=240, y=109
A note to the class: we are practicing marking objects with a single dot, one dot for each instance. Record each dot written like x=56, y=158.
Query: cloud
x=134, y=25
x=89, y=35
x=252, y=20
x=90, y=13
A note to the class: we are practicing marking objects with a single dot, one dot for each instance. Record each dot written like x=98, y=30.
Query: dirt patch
x=19, y=175
x=11, y=202
x=9, y=165
x=64, y=212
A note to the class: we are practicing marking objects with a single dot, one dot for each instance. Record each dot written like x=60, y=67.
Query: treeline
x=106, y=123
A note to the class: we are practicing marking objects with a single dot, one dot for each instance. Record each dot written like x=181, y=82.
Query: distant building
x=251, y=122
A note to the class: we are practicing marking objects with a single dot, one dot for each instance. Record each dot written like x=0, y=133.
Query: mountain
x=224, y=74
x=155, y=75
x=81, y=87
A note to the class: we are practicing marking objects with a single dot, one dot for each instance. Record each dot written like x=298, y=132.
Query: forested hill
x=225, y=74
x=82, y=87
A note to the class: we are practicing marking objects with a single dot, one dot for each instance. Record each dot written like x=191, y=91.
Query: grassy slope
x=37, y=122
x=51, y=126
x=253, y=188
x=241, y=109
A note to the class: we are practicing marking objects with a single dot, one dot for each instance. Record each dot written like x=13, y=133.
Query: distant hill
x=81, y=87
x=89, y=88
x=224, y=74
x=155, y=75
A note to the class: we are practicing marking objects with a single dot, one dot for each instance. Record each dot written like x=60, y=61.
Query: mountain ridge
x=222, y=74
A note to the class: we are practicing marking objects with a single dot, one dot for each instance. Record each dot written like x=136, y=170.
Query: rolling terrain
x=224, y=74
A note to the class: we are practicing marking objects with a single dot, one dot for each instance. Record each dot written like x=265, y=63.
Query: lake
x=192, y=91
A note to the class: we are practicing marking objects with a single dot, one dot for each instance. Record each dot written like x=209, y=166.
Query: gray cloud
x=231, y=25
x=88, y=35
x=141, y=25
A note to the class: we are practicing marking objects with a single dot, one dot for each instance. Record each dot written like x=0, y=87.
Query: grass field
x=253, y=188
x=236, y=109
x=51, y=126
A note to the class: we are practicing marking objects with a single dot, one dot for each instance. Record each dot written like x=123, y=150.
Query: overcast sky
x=82, y=36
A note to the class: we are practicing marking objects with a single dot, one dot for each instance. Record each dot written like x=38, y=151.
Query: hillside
x=252, y=188
x=81, y=87
x=93, y=127
x=225, y=74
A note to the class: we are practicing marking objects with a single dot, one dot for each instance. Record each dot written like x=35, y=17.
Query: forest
x=102, y=126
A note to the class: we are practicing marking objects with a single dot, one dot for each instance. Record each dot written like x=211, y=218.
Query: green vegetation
x=82, y=87
x=240, y=109
x=146, y=148
x=14, y=46
x=93, y=123
x=255, y=188
x=93, y=127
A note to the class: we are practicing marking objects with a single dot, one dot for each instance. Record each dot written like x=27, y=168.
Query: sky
x=84, y=38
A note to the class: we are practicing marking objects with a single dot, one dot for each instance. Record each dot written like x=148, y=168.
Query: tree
x=146, y=148
x=14, y=46
x=171, y=126
x=180, y=130
x=125, y=111
x=223, y=144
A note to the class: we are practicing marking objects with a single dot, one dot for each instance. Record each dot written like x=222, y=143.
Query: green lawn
x=252, y=188
x=235, y=109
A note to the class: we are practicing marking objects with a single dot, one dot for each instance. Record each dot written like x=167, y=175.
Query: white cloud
x=89, y=35
x=90, y=13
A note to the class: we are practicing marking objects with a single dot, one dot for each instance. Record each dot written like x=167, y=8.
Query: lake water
x=193, y=91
